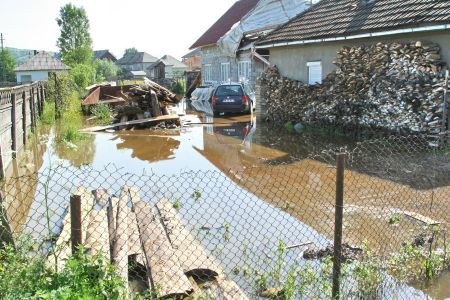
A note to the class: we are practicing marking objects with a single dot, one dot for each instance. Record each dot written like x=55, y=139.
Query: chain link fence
x=277, y=230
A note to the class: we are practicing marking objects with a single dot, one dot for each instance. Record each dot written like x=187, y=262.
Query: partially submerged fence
x=20, y=107
x=369, y=222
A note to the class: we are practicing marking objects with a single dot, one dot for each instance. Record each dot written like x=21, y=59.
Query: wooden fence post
x=13, y=125
x=38, y=100
x=32, y=110
x=75, y=219
x=24, y=117
x=338, y=220
x=42, y=99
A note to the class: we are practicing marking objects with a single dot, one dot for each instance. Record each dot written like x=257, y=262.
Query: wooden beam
x=192, y=256
x=13, y=124
x=75, y=220
x=129, y=123
x=163, y=268
x=120, y=247
x=97, y=237
x=24, y=118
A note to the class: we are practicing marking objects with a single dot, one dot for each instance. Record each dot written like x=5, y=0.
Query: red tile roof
x=224, y=24
x=335, y=18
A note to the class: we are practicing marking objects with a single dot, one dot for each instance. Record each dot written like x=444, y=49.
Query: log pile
x=396, y=87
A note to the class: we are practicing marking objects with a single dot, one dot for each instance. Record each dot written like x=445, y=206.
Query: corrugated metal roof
x=335, y=18
x=43, y=61
x=224, y=23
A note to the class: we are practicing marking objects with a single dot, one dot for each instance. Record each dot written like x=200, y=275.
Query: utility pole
x=1, y=40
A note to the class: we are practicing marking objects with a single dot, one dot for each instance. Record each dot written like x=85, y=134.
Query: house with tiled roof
x=305, y=47
x=104, y=54
x=39, y=67
x=138, y=61
x=227, y=47
x=192, y=60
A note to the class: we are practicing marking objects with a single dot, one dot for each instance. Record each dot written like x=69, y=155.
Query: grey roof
x=101, y=54
x=136, y=58
x=168, y=60
x=43, y=61
x=338, y=18
x=195, y=52
x=138, y=73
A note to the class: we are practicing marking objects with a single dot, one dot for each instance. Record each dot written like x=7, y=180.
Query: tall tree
x=75, y=42
x=131, y=50
x=7, y=65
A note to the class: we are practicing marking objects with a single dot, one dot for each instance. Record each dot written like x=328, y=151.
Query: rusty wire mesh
x=261, y=232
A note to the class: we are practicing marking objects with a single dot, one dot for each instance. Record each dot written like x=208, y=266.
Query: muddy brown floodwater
x=291, y=171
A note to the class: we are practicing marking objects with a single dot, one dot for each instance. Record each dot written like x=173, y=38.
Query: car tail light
x=245, y=130
x=244, y=99
x=213, y=100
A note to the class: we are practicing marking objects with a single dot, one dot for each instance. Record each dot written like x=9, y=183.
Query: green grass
x=25, y=276
x=102, y=112
x=48, y=115
x=71, y=122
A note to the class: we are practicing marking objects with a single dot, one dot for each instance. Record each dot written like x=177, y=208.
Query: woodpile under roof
x=397, y=87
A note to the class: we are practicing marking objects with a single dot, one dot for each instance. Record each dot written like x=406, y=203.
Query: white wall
x=35, y=75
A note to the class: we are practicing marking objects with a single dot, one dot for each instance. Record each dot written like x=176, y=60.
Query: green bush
x=27, y=277
x=48, y=115
x=102, y=112
x=83, y=75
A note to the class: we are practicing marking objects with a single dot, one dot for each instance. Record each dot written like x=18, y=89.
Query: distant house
x=167, y=67
x=104, y=54
x=138, y=75
x=192, y=60
x=138, y=61
x=39, y=67
x=227, y=47
x=304, y=48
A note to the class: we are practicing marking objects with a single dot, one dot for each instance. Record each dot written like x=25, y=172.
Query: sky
x=157, y=27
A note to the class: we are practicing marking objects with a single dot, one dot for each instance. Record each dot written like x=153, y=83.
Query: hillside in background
x=21, y=55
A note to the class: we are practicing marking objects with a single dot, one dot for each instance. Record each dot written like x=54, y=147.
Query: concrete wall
x=291, y=60
x=35, y=75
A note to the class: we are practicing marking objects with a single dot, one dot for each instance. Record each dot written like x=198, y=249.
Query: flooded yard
x=259, y=186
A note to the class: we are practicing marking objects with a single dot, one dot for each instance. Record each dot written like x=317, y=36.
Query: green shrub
x=102, y=112
x=48, y=115
x=83, y=75
x=27, y=277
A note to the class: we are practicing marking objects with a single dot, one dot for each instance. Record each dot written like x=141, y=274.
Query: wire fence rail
x=370, y=222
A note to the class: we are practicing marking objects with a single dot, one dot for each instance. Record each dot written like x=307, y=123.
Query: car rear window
x=229, y=90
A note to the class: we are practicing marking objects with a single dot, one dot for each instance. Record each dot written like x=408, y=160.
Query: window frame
x=207, y=73
x=314, y=65
x=225, y=69
x=244, y=69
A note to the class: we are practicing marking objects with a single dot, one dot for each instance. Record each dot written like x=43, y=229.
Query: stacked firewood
x=396, y=87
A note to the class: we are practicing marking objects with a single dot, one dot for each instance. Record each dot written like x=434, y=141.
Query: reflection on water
x=79, y=154
x=147, y=147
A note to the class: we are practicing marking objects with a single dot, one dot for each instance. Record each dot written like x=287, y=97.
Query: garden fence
x=366, y=222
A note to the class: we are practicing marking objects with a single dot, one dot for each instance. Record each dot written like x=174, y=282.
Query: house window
x=207, y=73
x=244, y=68
x=314, y=72
x=225, y=72
x=25, y=78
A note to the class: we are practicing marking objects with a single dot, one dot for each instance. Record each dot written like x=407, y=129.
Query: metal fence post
x=340, y=166
x=75, y=219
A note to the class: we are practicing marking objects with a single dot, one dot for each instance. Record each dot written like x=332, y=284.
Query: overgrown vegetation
x=179, y=87
x=24, y=275
x=102, y=112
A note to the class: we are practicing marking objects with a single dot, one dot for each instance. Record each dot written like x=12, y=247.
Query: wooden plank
x=163, y=268
x=97, y=236
x=62, y=250
x=101, y=197
x=120, y=247
x=24, y=118
x=13, y=124
x=111, y=215
x=225, y=290
x=156, y=109
x=32, y=110
x=135, y=122
x=191, y=254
